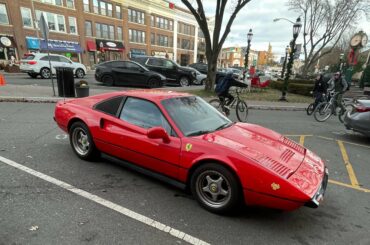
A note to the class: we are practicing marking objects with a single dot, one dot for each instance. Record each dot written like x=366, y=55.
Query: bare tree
x=324, y=22
x=213, y=47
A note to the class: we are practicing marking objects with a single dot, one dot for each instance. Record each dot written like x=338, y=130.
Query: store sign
x=61, y=46
x=110, y=44
x=6, y=41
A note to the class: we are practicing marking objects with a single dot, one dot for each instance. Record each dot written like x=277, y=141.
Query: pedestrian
x=339, y=85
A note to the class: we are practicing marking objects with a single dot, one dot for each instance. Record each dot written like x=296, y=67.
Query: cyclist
x=319, y=89
x=222, y=88
x=339, y=85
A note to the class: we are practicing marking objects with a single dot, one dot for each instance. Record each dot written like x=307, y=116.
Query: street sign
x=44, y=28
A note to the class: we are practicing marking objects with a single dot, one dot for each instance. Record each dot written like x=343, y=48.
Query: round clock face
x=356, y=40
x=364, y=40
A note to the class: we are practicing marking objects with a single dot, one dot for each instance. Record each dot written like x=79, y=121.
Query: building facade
x=235, y=57
x=93, y=31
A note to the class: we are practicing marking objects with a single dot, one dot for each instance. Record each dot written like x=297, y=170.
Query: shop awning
x=109, y=45
x=91, y=45
x=61, y=46
x=33, y=43
x=7, y=42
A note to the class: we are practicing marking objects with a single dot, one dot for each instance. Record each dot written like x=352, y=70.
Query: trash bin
x=82, y=89
x=65, y=81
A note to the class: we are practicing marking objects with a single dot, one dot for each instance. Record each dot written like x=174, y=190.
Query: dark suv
x=175, y=74
x=203, y=68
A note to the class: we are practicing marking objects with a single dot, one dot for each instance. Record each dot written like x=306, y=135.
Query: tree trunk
x=212, y=69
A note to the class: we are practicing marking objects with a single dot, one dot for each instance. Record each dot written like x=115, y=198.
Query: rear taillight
x=32, y=62
x=361, y=108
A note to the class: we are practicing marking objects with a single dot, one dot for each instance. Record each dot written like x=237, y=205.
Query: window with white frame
x=119, y=33
x=104, y=31
x=111, y=32
x=118, y=12
x=110, y=9
x=86, y=5
x=98, y=30
x=72, y=25
x=55, y=22
x=26, y=17
x=136, y=36
x=88, y=28
x=136, y=16
x=103, y=8
x=96, y=6
x=71, y=4
x=3, y=14
x=53, y=2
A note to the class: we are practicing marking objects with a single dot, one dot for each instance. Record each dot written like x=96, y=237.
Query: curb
x=56, y=99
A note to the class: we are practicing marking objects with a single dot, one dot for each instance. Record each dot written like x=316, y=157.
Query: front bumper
x=319, y=195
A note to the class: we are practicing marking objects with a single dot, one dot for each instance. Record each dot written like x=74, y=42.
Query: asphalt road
x=35, y=211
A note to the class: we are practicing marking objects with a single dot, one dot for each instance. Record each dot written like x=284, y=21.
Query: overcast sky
x=259, y=15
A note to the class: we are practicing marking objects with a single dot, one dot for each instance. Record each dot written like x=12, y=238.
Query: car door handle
x=101, y=124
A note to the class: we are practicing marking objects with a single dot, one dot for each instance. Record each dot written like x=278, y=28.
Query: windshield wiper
x=225, y=125
x=199, y=132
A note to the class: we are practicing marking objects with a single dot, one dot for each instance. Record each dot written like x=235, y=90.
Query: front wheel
x=80, y=73
x=323, y=111
x=184, y=81
x=108, y=80
x=82, y=142
x=215, y=188
x=241, y=111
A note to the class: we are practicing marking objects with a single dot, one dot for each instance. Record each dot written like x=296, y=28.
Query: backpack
x=221, y=86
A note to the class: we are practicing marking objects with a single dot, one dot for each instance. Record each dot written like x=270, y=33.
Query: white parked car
x=38, y=64
x=200, y=78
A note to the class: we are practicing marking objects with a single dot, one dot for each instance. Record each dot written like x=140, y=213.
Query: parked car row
x=37, y=64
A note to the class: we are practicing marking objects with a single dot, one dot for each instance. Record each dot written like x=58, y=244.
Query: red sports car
x=181, y=139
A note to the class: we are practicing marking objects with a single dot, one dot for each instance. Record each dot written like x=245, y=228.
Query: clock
x=356, y=40
x=364, y=40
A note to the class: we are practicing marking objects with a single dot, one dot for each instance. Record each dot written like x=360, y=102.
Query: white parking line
x=127, y=212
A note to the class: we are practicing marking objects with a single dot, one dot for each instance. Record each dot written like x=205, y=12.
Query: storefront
x=109, y=50
x=136, y=52
x=162, y=54
x=8, y=48
x=91, y=49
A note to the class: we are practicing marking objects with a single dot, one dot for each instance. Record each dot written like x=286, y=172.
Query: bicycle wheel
x=310, y=109
x=241, y=111
x=323, y=111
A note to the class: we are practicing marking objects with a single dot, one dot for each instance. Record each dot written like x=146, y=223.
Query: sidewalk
x=43, y=94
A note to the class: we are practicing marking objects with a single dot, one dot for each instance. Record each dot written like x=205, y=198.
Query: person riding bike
x=222, y=88
x=339, y=85
x=319, y=89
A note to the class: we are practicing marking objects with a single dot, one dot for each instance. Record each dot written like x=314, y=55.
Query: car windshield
x=194, y=116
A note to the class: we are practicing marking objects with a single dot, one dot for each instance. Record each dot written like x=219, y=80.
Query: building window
x=185, y=44
x=162, y=40
x=119, y=33
x=136, y=36
x=111, y=32
x=97, y=30
x=71, y=4
x=87, y=5
x=3, y=15
x=61, y=23
x=170, y=25
x=152, y=21
x=170, y=41
x=72, y=25
x=56, y=22
x=103, y=8
x=26, y=17
x=152, y=38
x=186, y=29
x=136, y=16
x=96, y=6
x=110, y=9
x=118, y=12
x=54, y=2
x=104, y=31
x=88, y=28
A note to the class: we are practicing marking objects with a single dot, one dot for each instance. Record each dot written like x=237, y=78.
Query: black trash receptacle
x=82, y=91
x=65, y=81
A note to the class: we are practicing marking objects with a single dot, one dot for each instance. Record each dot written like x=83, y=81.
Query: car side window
x=52, y=58
x=144, y=114
x=109, y=106
x=64, y=60
x=117, y=64
x=155, y=62
x=131, y=66
x=168, y=64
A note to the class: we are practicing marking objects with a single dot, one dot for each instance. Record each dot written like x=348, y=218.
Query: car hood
x=266, y=147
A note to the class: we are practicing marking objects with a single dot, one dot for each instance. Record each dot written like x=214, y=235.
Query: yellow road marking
x=351, y=172
x=349, y=186
x=347, y=142
x=301, y=140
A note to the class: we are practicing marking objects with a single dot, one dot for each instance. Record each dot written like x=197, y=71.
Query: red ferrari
x=181, y=139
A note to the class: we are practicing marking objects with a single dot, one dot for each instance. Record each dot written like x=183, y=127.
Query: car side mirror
x=158, y=133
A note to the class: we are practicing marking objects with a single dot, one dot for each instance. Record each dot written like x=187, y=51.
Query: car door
x=129, y=134
x=120, y=73
x=67, y=63
x=171, y=71
x=54, y=61
x=136, y=74
x=156, y=64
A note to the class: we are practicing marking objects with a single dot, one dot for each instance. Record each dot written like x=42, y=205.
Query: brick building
x=234, y=57
x=92, y=31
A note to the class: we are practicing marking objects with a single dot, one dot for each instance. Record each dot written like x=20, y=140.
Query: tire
x=241, y=111
x=203, y=81
x=153, y=83
x=184, y=81
x=323, y=111
x=82, y=142
x=216, y=188
x=108, y=80
x=45, y=73
x=80, y=73
x=310, y=109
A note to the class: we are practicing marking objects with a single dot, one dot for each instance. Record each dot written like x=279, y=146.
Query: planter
x=82, y=91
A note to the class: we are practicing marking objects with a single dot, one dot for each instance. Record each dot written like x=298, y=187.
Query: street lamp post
x=287, y=49
x=249, y=38
x=296, y=29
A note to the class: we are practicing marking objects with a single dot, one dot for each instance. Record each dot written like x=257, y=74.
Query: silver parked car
x=200, y=78
x=359, y=118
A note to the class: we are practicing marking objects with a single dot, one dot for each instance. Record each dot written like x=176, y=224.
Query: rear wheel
x=108, y=80
x=45, y=73
x=82, y=142
x=153, y=83
x=323, y=111
x=241, y=110
x=215, y=188
x=184, y=81
x=310, y=109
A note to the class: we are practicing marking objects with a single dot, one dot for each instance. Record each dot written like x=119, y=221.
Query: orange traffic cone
x=2, y=80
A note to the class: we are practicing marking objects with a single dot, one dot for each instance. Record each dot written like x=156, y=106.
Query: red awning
x=91, y=45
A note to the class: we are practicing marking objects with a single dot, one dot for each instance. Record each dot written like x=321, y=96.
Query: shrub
x=293, y=87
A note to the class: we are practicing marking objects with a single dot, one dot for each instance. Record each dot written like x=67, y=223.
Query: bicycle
x=325, y=109
x=241, y=106
x=311, y=107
